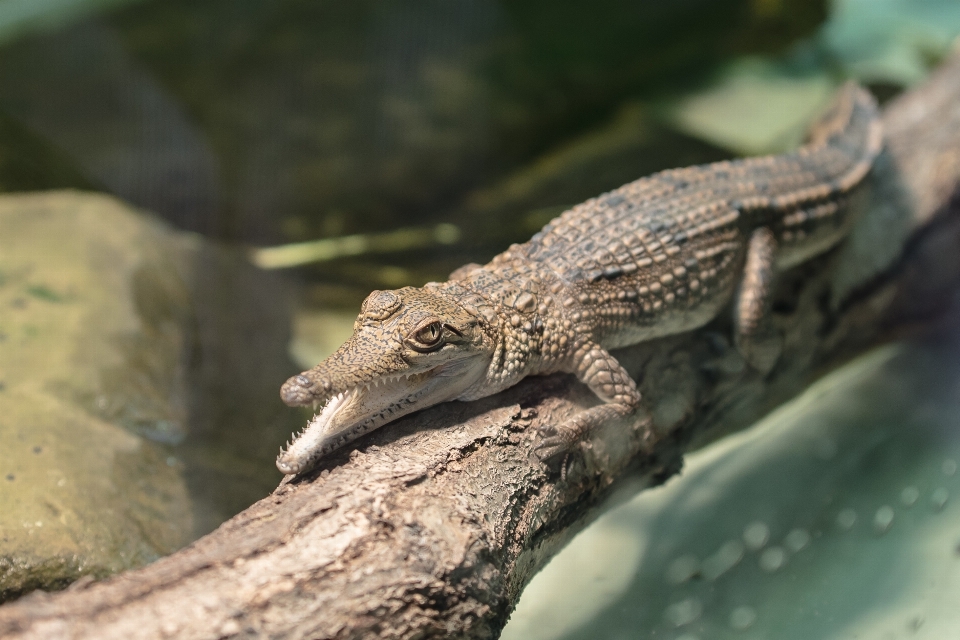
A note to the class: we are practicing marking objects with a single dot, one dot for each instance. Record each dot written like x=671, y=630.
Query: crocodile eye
x=429, y=336
x=430, y=333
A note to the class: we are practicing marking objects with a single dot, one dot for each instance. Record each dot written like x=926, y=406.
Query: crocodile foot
x=556, y=441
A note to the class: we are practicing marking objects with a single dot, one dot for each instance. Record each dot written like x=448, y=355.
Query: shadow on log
x=432, y=526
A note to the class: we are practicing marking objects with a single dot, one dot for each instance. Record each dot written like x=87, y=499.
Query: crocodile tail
x=852, y=124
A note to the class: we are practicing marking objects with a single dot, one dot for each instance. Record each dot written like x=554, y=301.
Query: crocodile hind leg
x=756, y=338
x=600, y=371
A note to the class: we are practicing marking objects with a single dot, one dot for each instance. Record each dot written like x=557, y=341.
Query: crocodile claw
x=554, y=443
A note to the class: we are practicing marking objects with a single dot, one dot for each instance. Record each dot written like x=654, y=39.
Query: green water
x=835, y=517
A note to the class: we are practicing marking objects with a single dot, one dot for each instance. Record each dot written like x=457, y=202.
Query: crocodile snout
x=298, y=391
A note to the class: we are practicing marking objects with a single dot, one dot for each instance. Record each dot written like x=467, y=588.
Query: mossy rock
x=92, y=311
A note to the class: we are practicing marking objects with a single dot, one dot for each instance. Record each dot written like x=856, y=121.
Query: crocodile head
x=410, y=349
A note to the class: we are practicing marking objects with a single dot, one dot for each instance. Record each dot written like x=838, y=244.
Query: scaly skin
x=658, y=256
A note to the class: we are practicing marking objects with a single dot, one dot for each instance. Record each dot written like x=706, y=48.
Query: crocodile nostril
x=304, y=380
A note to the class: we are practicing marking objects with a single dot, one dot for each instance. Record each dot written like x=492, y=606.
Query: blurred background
x=196, y=196
x=270, y=122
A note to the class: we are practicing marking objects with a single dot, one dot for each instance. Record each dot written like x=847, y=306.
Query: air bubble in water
x=949, y=467
x=797, y=540
x=939, y=497
x=726, y=558
x=682, y=569
x=909, y=496
x=772, y=559
x=883, y=519
x=742, y=618
x=846, y=519
x=756, y=535
x=683, y=612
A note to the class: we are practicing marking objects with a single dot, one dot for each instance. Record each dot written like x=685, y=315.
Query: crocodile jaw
x=359, y=410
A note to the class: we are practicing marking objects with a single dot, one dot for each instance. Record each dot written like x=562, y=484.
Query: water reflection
x=835, y=517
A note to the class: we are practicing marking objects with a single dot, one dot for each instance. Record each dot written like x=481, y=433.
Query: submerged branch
x=323, y=250
x=432, y=526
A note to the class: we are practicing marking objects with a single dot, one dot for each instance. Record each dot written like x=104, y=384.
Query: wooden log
x=432, y=526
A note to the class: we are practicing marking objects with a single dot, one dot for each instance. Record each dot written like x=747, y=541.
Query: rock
x=91, y=313
x=129, y=353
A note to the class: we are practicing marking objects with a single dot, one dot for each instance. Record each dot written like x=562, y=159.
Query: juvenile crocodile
x=658, y=256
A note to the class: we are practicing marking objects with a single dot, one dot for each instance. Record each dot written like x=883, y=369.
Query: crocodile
x=658, y=256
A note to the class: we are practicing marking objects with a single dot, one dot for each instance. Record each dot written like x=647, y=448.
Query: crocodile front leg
x=600, y=371
x=756, y=338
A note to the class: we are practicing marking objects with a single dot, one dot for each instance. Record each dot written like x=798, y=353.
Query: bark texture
x=432, y=526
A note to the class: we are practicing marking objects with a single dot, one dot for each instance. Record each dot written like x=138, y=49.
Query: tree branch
x=433, y=525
